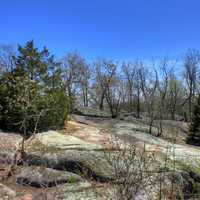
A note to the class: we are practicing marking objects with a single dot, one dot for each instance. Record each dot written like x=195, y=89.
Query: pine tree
x=32, y=94
x=194, y=129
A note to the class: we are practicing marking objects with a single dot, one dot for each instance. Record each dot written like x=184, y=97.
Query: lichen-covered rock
x=88, y=132
x=182, y=153
x=9, y=144
x=85, y=192
x=66, y=152
x=45, y=177
x=6, y=193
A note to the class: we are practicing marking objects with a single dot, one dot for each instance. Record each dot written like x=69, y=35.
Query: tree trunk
x=138, y=103
x=101, y=105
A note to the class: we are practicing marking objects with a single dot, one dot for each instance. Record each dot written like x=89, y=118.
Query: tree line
x=38, y=91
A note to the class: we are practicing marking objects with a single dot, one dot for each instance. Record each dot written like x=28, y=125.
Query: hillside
x=79, y=162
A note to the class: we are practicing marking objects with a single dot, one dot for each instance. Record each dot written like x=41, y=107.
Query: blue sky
x=119, y=29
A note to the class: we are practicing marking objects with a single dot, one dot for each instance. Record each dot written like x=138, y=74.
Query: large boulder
x=9, y=145
x=45, y=177
x=181, y=153
x=66, y=152
x=89, y=132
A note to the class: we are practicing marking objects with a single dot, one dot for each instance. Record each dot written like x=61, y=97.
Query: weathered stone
x=6, y=193
x=178, y=152
x=85, y=192
x=66, y=152
x=9, y=144
x=44, y=177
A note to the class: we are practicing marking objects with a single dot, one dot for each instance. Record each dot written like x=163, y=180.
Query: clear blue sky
x=122, y=29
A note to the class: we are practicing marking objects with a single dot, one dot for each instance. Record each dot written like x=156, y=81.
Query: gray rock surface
x=66, y=152
x=6, y=193
x=45, y=177
x=9, y=145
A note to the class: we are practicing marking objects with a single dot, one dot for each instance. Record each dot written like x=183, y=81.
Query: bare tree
x=131, y=74
x=84, y=82
x=129, y=71
x=100, y=86
x=191, y=67
x=175, y=95
x=138, y=89
x=76, y=75
x=106, y=71
x=163, y=85
x=69, y=66
x=6, y=58
x=149, y=84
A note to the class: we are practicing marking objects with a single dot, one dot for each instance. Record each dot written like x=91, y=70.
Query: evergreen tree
x=32, y=95
x=194, y=129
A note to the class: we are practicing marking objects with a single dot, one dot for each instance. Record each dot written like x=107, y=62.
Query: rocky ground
x=72, y=163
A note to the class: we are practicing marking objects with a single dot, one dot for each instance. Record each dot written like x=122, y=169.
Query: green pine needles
x=32, y=94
